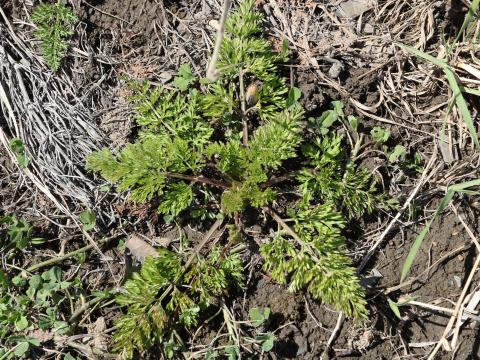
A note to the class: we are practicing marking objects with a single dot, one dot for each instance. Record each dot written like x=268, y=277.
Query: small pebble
x=335, y=70
x=368, y=29
x=165, y=76
x=458, y=281
x=214, y=24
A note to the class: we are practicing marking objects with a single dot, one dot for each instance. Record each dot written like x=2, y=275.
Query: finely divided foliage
x=54, y=22
x=163, y=296
x=190, y=144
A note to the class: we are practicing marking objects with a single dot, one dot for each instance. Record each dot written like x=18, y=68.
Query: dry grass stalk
x=44, y=111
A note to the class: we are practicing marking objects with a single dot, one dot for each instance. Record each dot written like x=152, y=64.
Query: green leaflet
x=54, y=22
x=317, y=262
x=152, y=301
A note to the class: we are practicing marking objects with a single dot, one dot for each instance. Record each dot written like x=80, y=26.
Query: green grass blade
x=465, y=185
x=438, y=62
x=468, y=18
x=456, y=88
x=471, y=91
x=394, y=308
x=462, y=105
x=413, y=251
x=419, y=240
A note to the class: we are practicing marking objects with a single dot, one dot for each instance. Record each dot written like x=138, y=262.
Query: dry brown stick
x=70, y=254
x=243, y=109
x=202, y=243
x=212, y=71
x=195, y=253
x=199, y=179
x=444, y=310
x=410, y=281
x=424, y=178
x=443, y=340
x=283, y=224
x=290, y=231
x=333, y=335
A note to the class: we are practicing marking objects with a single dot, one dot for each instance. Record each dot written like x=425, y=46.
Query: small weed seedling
x=88, y=220
x=29, y=303
x=54, y=22
x=229, y=150
x=258, y=317
x=380, y=135
x=19, y=150
x=17, y=234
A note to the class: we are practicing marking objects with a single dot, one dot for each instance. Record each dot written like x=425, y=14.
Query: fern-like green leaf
x=165, y=295
x=317, y=263
x=178, y=197
x=54, y=22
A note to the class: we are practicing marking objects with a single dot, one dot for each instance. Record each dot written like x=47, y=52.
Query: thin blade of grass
x=412, y=254
x=394, y=308
x=462, y=105
x=471, y=91
x=454, y=189
x=465, y=185
x=468, y=18
x=435, y=61
x=456, y=88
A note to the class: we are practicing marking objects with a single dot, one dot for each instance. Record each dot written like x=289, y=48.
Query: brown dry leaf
x=354, y=8
x=140, y=248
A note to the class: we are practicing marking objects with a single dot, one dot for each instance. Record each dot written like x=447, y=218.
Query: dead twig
x=410, y=281
x=70, y=254
x=333, y=335
x=201, y=244
x=212, y=71
x=440, y=309
x=426, y=175
x=446, y=333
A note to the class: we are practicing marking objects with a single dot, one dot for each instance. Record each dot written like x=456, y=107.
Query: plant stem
x=194, y=254
x=292, y=233
x=358, y=146
x=67, y=255
x=275, y=180
x=199, y=179
x=243, y=109
x=283, y=224
x=228, y=179
x=212, y=72
x=86, y=306
x=202, y=243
